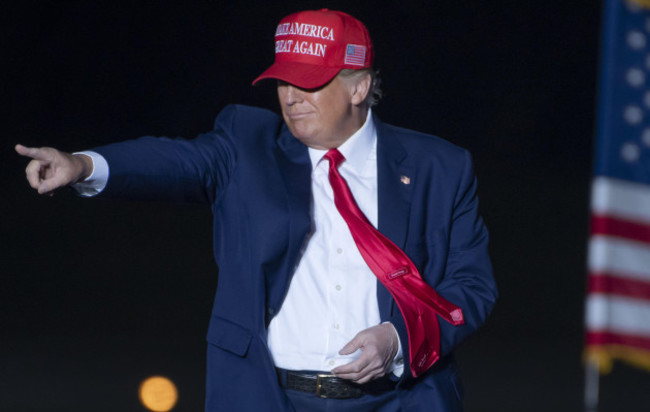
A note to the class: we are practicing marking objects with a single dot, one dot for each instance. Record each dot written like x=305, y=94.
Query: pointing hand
x=50, y=168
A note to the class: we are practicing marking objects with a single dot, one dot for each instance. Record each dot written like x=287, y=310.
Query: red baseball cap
x=311, y=47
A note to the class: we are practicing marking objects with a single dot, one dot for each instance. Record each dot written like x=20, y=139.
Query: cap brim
x=305, y=76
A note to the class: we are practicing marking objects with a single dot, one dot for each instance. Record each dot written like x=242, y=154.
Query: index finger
x=33, y=152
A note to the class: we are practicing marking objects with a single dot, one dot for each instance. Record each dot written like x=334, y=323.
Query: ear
x=361, y=89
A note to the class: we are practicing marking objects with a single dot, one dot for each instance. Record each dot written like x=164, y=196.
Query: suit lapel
x=295, y=168
x=394, y=175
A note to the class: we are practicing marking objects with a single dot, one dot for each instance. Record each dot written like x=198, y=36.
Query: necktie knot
x=335, y=157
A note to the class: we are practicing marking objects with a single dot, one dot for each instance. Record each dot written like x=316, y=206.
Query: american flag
x=617, y=313
x=355, y=54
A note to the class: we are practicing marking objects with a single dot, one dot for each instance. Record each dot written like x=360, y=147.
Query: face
x=322, y=118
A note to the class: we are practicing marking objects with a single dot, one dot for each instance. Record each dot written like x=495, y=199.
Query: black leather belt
x=325, y=385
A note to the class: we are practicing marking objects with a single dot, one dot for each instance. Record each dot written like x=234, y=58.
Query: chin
x=301, y=135
x=306, y=141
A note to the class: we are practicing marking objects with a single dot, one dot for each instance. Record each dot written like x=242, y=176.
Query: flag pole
x=592, y=377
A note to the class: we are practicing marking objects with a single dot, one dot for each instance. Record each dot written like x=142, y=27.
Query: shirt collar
x=356, y=149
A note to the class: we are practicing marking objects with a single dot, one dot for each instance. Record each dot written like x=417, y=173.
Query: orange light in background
x=158, y=394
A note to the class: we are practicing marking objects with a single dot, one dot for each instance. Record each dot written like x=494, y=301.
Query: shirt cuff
x=398, y=361
x=96, y=182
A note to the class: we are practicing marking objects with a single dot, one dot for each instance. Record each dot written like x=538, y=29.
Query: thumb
x=47, y=186
x=352, y=346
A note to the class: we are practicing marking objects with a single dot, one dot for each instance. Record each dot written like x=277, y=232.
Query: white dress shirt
x=333, y=292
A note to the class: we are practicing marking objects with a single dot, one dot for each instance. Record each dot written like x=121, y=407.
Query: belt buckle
x=319, y=384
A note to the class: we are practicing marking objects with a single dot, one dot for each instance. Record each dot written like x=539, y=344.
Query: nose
x=289, y=94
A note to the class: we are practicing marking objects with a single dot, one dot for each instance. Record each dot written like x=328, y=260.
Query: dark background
x=96, y=295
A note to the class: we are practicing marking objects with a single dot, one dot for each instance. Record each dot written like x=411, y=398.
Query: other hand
x=378, y=346
x=50, y=168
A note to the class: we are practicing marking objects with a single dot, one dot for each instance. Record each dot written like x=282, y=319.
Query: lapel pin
x=405, y=180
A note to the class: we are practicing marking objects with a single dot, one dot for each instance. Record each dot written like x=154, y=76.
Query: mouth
x=297, y=116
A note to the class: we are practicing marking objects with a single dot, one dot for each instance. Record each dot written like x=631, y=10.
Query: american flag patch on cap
x=355, y=54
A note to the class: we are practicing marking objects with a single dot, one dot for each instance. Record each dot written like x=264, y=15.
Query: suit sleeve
x=468, y=280
x=161, y=168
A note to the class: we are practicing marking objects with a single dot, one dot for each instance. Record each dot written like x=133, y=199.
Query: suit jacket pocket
x=229, y=336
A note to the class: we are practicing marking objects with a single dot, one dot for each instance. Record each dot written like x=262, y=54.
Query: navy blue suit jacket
x=256, y=177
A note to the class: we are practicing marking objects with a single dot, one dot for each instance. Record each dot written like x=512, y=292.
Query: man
x=303, y=318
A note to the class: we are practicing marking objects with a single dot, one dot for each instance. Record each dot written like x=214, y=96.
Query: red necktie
x=417, y=301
